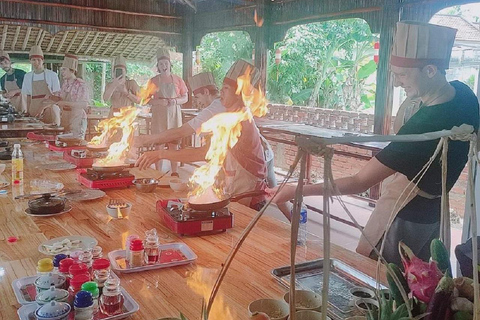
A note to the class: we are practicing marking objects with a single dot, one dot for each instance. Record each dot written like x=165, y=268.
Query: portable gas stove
x=62, y=147
x=104, y=180
x=191, y=222
x=82, y=158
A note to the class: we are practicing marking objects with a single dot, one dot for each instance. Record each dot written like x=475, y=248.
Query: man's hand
x=286, y=194
x=149, y=158
x=119, y=81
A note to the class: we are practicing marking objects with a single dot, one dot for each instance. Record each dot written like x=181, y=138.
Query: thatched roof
x=93, y=44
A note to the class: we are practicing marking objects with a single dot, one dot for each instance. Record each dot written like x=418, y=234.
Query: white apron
x=16, y=100
x=164, y=118
x=39, y=91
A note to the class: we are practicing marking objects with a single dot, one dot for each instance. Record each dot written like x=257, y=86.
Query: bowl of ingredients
x=360, y=293
x=275, y=309
x=117, y=211
x=145, y=184
x=364, y=305
x=178, y=185
x=305, y=300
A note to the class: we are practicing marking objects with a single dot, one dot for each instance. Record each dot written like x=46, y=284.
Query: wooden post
x=384, y=94
x=187, y=50
x=261, y=45
x=102, y=85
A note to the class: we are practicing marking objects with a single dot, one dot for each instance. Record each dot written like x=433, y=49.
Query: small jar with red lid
x=63, y=269
x=135, y=258
x=79, y=268
x=101, y=272
x=76, y=285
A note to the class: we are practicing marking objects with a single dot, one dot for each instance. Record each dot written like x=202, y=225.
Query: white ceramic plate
x=85, y=195
x=65, y=210
x=86, y=243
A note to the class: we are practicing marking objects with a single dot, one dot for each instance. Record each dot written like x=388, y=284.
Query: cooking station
x=95, y=179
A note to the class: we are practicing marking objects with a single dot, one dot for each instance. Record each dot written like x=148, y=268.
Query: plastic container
x=44, y=266
x=17, y=165
x=111, y=301
x=83, y=305
x=151, y=247
x=63, y=269
x=302, y=226
x=101, y=272
x=76, y=285
x=135, y=258
x=97, y=252
x=87, y=258
x=56, y=261
x=129, y=240
x=93, y=289
x=79, y=268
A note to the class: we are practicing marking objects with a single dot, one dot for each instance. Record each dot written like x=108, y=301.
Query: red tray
x=41, y=137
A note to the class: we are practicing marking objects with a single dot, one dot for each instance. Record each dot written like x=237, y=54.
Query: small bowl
x=178, y=185
x=309, y=315
x=305, y=300
x=365, y=304
x=44, y=282
x=275, y=309
x=360, y=293
x=113, y=212
x=53, y=311
x=145, y=184
x=53, y=294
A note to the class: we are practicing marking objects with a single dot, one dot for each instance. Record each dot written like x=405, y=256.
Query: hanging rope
x=445, y=233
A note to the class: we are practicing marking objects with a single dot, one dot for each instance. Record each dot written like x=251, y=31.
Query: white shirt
x=50, y=77
x=214, y=108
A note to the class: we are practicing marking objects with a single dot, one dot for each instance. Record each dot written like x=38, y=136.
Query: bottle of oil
x=17, y=165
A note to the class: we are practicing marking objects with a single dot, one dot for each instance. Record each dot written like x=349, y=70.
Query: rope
x=445, y=233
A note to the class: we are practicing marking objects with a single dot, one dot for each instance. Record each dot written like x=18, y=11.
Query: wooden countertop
x=164, y=292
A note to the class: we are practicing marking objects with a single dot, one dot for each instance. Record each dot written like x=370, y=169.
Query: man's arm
x=165, y=136
x=183, y=155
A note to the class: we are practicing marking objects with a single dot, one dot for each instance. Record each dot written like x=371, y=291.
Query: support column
x=102, y=84
x=261, y=43
x=384, y=94
x=187, y=46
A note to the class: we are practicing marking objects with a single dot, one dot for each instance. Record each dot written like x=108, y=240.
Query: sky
x=470, y=12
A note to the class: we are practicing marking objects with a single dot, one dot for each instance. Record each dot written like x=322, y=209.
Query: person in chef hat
x=420, y=55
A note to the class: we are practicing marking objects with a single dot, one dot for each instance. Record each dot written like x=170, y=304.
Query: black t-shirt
x=409, y=158
x=18, y=75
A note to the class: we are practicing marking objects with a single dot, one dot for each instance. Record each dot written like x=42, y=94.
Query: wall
x=342, y=165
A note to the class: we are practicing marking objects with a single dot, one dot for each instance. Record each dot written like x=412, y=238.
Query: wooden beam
x=115, y=38
x=328, y=15
x=51, y=43
x=89, y=8
x=27, y=35
x=90, y=27
x=92, y=43
x=15, y=38
x=39, y=35
x=87, y=35
x=59, y=48
x=44, y=33
x=72, y=42
x=4, y=36
x=97, y=49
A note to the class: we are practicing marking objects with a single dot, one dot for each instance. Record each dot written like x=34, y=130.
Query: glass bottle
x=83, y=305
x=17, y=165
x=92, y=287
x=111, y=301
x=87, y=258
x=56, y=261
x=79, y=268
x=75, y=286
x=97, y=252
x=63, y=269
x=151, y=247
x=135, y=258
x=101, y=272
x=44, y=266
x=75, y=255
x=129, y=240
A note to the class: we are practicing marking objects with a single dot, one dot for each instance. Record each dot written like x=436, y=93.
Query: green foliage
x=27, y=67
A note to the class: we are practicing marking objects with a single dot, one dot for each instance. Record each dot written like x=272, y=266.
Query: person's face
x=414, y=81
x=202, y=99
x=36, y=63
x=65, y=73
x=163, y=66
x=228, y=96
x=6, y=65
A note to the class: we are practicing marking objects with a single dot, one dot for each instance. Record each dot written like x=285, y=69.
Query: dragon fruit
x=422, y=277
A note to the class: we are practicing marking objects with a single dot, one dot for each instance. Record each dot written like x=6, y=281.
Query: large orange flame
x=147, y=92
x=225, y=128
x=118, y=151
x=201, y=282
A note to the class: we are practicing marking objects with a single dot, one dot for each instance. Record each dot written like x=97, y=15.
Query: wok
x=223, y=203
x=96, y=148
x=111, y=168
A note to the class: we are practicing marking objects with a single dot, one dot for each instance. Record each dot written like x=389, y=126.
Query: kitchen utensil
x=111, y=168
x=145, y=184
x=225, y=201
x=117, y=204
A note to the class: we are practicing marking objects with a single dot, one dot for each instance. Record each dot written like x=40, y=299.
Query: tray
x=118, y=263
x=130, y=306
x=309, y=276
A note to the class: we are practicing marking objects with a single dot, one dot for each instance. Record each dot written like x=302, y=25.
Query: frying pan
x=223, y=203
x=111, y=168
x=96, y=148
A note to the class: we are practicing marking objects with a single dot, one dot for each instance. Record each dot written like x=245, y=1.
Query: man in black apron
x=11, y=82
x=420, y=55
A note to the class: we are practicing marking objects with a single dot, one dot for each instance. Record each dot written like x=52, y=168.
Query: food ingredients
x=62, y=246
x=464, y=286
x=396, y=293
x=422, y=277
x=440, y=301
x=462, y=304
x=440, y=254
x=259, y=316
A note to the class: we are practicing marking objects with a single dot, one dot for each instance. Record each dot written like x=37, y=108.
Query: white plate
x=85, y=195
x=65, y=210
x=182, y=247
x=87, y=243
x=130, y=306
x=58, y=166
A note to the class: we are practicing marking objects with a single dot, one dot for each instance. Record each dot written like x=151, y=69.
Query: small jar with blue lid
x=83, y=305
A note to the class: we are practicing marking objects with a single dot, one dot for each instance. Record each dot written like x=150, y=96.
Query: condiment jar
x=53, y=310
x=151, y=247
x=135, y=258
x=83, y=305
x=79, y=268
x=93, y=289
x=53, y=294
x=75, y=255
x=45, y=281
x=101, y=272
x=87, y=258
x=129, y=240
x=97, y=252
x=63, y=267
x=111, y=301
x=57, y=259
x=44, y=266
x=76, y=285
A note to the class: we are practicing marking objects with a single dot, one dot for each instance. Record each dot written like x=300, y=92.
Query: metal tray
x=309, y=276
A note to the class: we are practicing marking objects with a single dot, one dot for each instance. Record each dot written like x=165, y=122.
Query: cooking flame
x=147, y=92
x=225, y=128
x=258, y=21
x=117, y=152
x=201, y=282
x=108, y=127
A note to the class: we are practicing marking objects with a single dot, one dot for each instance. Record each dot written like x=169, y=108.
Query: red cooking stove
x=192, y=222
x=104, y=180
x=62, y=147
x=83, y=158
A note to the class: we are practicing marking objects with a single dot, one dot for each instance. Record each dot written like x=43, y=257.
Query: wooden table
x=19, y=129
x=160, y=293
